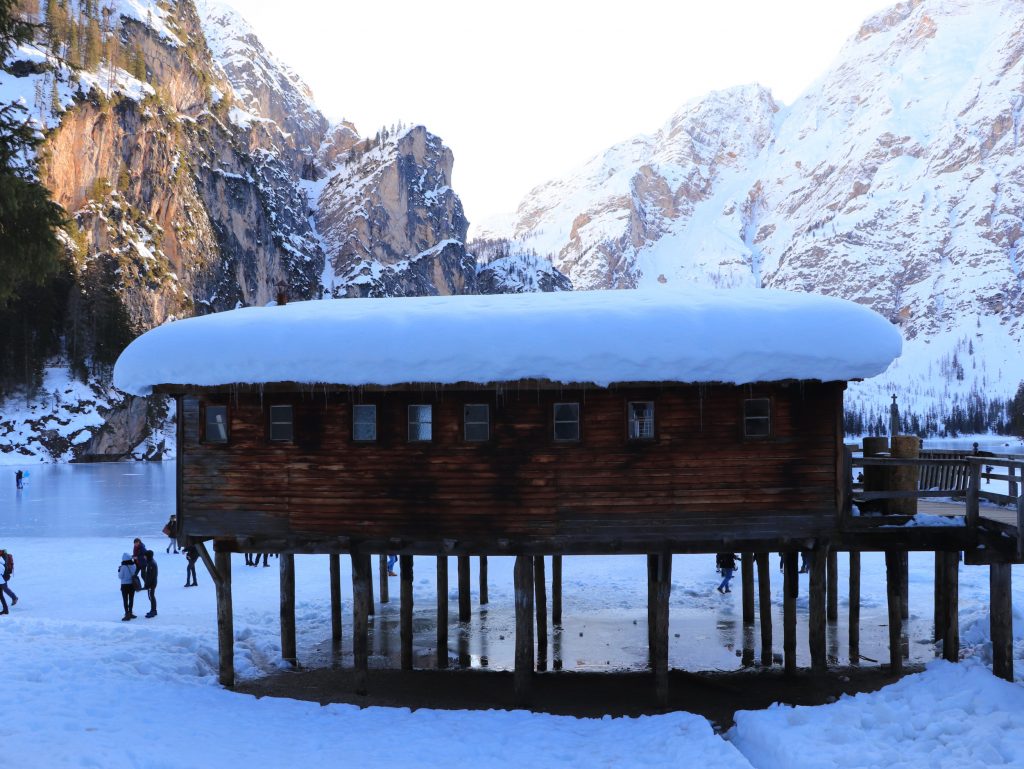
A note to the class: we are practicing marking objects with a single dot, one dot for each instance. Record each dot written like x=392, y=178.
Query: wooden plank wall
x=699, y=477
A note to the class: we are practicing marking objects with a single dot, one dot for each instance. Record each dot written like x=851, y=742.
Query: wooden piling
x=556, y=590
x=287, y=569
x=854, y=640
x=362, y=581
x=483, y=580
x=382, y=571
x=220, y=572
x=335, y=560
x=1001, y=619
x=662, y=593
x=405, y=609
x=816, y=610
x=790, y=590
x=652, y=572
x=747, y=577
x=442, y=612
x=524, y=660
x=370, y=605
x=465, y=610
x=832, y=586
x=541, y=607
x=939, y=596
x=951, y=610
x=904, y=585
x=893, y=592
x=764, y=606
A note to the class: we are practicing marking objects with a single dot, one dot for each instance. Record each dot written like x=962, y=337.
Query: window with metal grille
x=364, y=422
x=281, y=423
x=641, y=420
x=567, y=421
x=420, y=423
x=757, y=418
x=216, y=424
x=476, y=419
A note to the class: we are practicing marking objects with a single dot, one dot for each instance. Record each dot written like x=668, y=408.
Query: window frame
x=767, y=420
x=486, y=422
x=409, y=422
x=630, y=421
x=205, y=434
x=271, y=422
x=555, y=422
x=355, y=408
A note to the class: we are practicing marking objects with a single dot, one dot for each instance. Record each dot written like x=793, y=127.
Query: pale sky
x=525, y=91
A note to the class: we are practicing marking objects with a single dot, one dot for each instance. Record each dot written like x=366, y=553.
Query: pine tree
x=55, y=105
x=92, y=44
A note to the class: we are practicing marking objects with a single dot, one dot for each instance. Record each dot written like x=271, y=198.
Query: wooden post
x=405, y=610
x=832, y=585
x=973, y=510
x=370, y=606
x=483, y=580
x=556, y=590
x=747, y=577
x=382, y=570
x=662, y=592
x=904, y=478
x=287, y=568
x=442, y=611
x=362, y=580
x=951, y=612
x=1001, y=618
x=893, y=592
x=940, y=595
x=465, y=610
x=652, y=571
x=541, y=606
x=220, y=572
x=816, y=610
x=335, y=597
x=904, y=585
x=875, y=478
x=764, y=601
x=790, y=590
x=854, y=607
x=523, y=676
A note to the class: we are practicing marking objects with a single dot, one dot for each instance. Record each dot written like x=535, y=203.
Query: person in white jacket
x=126, y=573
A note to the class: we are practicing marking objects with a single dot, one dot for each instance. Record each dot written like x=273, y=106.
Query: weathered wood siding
x=698, y=479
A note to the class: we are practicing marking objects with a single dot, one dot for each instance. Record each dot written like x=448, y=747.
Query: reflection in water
x=462, y=644
x=556, y=647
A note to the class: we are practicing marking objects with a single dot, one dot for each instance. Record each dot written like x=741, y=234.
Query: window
x=757, y=422
x=567, y=421
x=216, y=424
x=420, y=423
x=641, y=420
x=281, y=423
x=364, y=423
x=477, y=422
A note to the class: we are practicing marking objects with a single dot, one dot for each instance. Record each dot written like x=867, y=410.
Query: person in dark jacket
x=171, y=530
x=138, y=555
x=149, y=582
x=7, y=564
x=191, y=556
x=726, y=563
x=126, y=573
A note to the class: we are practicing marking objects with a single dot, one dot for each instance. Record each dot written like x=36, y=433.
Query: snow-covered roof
x=598, y=337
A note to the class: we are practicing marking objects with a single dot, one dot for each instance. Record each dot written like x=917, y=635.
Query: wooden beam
x=747, y=578
x=904, y=585
x=854, y=640
x=204, y=555
x=465, y=609
x=370, y=604
x=951, y=612
x=764, y=601
x=652, y=571
x=939, y=612
x=405, y=608
x=832, y=587
x=382, y=571
x=483, y=581
x=790, y=590
x=287, y=570
x=362, y=579
x=662, y=593
x=442, y=611
x=556, y=590
x=893, y=592
x=1001, y=619
x=816, y=610
x=335, y=597
x=524, y=660
x=541, y=606
x=225, y=615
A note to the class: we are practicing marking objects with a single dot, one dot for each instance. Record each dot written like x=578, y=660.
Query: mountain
x=894, y=181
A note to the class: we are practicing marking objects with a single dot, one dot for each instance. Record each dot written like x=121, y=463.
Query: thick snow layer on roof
x=597, y=337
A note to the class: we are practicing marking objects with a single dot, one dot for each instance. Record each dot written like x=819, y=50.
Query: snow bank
x=598, y=337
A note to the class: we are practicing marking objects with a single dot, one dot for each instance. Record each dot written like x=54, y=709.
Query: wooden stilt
x=764, y=601
x=832, y=585
x=370, y=605
x=335, y=597
x=747, y=578
x=556, y=590
x=442, y=611
x=940, y=595
x=1001, y=618
x=905, y=585
x=790, y=591
x=951, y=612
x=662, y=593
x=220, y=572
x=652, y=571
x=854, y=608
x=382, y=571
x=362, y=579
x=483, y=580
x=893, y=572
x=816, y=610
x=405, y=609
x=288, y=607
x=465, y=610
x=541, y=607
x=523, y=676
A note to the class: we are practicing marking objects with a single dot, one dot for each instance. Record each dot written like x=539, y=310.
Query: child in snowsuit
x=726, y=563
x=126, y=573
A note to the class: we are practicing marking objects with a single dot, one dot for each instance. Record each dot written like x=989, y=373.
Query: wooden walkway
x=1004, y=515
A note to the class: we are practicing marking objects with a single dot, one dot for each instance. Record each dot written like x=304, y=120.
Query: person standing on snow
x=726, y=563
x=191, y=556
x=138, y=555
x=7, y=564
x=19, y=479
x=149, y=574
x=126, y=573
x=171, y=530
